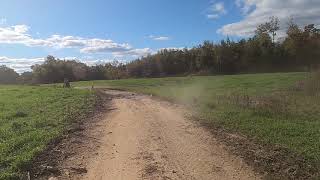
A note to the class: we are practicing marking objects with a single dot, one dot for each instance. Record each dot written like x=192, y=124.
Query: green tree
x=8, y=75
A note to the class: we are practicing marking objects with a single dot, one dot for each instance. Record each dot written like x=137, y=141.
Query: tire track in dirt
x=146, y=138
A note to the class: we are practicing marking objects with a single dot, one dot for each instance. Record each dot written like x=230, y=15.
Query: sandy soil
x=144, y=138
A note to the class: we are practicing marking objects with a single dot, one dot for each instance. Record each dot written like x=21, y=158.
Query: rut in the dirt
x=150, y=139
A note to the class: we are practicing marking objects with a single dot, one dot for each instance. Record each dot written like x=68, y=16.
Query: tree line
x=299, y=50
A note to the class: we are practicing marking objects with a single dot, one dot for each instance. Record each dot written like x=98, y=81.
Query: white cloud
x=93, y=62
x=134, y=53
x=172, y=48
x=18, y=34
x=20, y=64
x=216, y=10
x=102, y=46
x=21, y=28
x=258, y=11
x=213, y=16
x=245, y=5
x=159, y=38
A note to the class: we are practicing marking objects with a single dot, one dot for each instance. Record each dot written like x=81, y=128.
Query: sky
x=100, y=31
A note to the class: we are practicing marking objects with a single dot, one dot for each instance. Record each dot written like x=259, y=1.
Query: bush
x=8, y=75
x=20, y=114
x=312, y=85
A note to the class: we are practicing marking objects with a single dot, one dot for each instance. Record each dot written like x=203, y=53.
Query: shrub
x=312, y=85
x=20, y=114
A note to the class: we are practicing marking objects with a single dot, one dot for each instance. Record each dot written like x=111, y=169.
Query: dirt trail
x=149, y=139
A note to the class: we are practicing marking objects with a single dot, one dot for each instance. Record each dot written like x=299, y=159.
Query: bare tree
x=274, y=26
x=271, y=27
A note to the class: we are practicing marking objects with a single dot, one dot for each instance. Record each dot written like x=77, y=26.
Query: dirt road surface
x=144, y=138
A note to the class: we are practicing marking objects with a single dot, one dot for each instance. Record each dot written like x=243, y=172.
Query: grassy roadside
x=30, y=117
x=262, y=106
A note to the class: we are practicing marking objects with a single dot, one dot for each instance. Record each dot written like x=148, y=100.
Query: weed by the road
x=32, y=116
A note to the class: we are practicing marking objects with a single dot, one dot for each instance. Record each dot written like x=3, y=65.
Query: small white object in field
x=28, y=176
x=53, y=178
x=151, y=95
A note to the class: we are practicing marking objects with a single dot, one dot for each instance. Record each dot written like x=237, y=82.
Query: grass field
x=30, y=117
x=263, y=106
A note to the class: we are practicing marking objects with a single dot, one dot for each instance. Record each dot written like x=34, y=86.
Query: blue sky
x=98, y=31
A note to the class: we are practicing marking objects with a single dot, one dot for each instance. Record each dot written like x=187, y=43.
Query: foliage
x=298, y=51
x=54, y=70
x=8, y=75
x=270, y=27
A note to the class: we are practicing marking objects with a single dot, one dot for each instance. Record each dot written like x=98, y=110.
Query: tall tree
x=8, y=75
x=271, y=27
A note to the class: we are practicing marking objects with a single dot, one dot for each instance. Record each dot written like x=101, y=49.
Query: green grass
x=30, y=117
x=291, y=121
